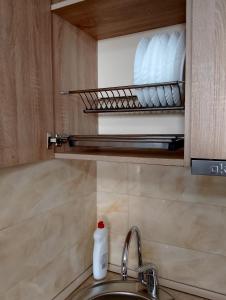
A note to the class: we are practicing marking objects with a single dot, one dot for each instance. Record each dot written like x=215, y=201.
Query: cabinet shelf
x=168, y=96
x=153, y=157
x=150, y=149
x=105, y=19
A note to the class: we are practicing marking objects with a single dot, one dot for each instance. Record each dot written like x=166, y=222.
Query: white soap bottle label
x=104, y=261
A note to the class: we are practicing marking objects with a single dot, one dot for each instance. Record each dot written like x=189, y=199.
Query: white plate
x=153, y=66
x=146, y=70
x=179, y=66
x=160, y=59
x=179, y=57
x=182, y=74
x=160, y=68
x=169, y=68
x=137, y=71
x=149, y=69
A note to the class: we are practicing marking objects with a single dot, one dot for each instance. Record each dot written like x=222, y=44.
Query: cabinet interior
x=95, y=48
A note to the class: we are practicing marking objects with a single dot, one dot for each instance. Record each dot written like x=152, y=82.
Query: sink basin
x=119, y=296
x=116, y=290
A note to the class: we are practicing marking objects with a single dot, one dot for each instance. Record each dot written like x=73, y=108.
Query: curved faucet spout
x=125, y=254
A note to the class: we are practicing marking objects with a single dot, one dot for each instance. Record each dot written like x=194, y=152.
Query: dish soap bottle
x=100, y=251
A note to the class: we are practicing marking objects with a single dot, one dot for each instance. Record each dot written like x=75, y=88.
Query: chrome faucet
x=147, y=274
x=125, y=253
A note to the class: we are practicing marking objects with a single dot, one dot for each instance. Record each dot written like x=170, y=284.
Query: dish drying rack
x=125, y=99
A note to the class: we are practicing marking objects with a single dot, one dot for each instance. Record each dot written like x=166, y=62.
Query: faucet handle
x=149, y=272
x=146, y=268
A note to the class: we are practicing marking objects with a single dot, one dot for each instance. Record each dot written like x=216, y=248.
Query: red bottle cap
x=100, y=224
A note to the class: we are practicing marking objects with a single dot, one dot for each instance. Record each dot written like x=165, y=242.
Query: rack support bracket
x=56, y=140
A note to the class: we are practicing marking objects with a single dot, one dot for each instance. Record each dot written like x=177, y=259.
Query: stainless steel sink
x=116, y=290
x=120, y=296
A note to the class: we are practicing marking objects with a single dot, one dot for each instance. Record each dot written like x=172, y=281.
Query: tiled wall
x=182, y=219
x=46, y=210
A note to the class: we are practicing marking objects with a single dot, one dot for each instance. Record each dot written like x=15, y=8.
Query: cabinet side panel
x=74, y=67
x=208, y=126
x=188, y=80
x=26, y=103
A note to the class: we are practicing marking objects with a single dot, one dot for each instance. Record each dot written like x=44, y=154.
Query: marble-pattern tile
x=197, y=269
x=114, y=209
x=52, y=278
x=29, y=190
x=175, y=183
x=112, y=177
x=46, y=210
x=31, y=245
x=180, y=223
x=194, y=268
x=155, y=181
x=182, y=296
x=89, y=216
x=99, y=176
x=115, y=248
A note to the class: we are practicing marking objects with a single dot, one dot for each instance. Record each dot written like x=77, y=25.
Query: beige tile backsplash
x=182, y=220
x=115, y=209
x=175, y=183
x=47, y=217
x=112, y=177
x=189, y=225
x=48, y=214
x=195, y=268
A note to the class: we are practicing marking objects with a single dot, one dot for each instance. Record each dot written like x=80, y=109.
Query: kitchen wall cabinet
x=26, y=102
x=208, y=79
x=31, y=103
x=205, y=71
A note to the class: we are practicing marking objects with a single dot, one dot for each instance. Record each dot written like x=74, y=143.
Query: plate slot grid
x=128, y=98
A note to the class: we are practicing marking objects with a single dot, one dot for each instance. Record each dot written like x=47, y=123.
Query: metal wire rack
x=166, y=96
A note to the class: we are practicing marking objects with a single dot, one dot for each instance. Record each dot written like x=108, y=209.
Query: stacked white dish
x=157, y=60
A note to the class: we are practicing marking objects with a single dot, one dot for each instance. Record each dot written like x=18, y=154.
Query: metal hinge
x=56, y=140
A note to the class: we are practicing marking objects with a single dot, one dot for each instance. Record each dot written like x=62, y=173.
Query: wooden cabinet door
x=26, y=100
x=208, y=79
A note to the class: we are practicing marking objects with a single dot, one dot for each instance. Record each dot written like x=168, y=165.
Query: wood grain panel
x=74, y=67
x=208, y=125
x=188, y=80
x=126, y=157
x=26, y=105
x=104, y=19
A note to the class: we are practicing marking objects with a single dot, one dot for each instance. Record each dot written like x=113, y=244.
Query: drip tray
x=128, y=141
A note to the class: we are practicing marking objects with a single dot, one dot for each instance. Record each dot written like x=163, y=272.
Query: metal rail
x=166, y=96
x=167, y=142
